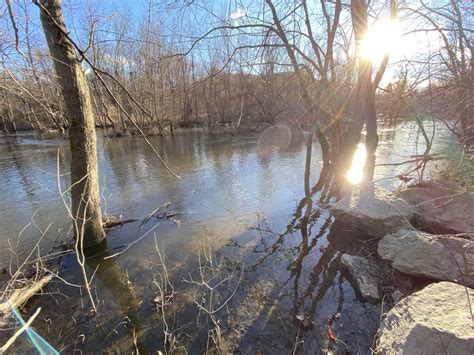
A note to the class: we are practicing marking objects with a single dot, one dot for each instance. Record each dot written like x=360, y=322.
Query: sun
x=382, y=38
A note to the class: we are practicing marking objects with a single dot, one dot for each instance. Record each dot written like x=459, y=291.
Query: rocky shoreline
x=425, y=231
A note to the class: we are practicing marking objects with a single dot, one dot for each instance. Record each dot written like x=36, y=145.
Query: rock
x=442, y=207
x=361, y=271
x=372, y=209
x=435, y=320
x=438, y=257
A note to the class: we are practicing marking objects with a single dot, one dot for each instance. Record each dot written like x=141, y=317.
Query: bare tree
x=82, y=137
x=452, y=81
x=365, y=110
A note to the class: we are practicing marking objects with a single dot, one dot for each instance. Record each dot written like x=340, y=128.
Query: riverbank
x=110, y=131
x=429, y=235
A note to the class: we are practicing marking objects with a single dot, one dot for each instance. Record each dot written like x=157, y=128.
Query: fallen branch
x=163, y=215
x=22, y=295
x=154, y=213
x=111, y=221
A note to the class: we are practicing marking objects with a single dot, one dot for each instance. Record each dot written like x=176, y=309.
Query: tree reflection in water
x=115, y=280
x=308, y=293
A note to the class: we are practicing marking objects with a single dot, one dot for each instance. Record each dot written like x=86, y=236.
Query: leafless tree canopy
x=163, y=64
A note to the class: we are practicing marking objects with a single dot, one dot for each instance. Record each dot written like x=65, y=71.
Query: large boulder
x=439, y=257
x=441, y=207
x=435, y=320
x=361, y=271
x=372, y=210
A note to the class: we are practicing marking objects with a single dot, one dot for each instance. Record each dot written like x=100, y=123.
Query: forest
x=236, y=176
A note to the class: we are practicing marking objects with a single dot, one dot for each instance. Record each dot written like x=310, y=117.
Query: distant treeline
x=188, y=99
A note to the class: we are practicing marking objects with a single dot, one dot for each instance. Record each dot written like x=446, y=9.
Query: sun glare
x=356, y=172
x=383, y=37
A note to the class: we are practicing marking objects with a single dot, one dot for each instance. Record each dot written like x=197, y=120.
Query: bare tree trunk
x=82, y=138
x=365, y=110
x=352, y=134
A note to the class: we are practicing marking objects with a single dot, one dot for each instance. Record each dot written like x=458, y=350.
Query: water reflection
x=246, y=201
x=118, y=289
x=225, y=177
x=356, y=172
x=303, y=290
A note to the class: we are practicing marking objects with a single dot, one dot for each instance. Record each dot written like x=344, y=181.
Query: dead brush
x=166, y=305
x=215, y=285
x=25, y=279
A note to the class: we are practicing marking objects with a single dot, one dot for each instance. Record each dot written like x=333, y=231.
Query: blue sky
x=171, y=22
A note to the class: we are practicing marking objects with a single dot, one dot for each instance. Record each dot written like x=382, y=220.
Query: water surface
x=238, y=198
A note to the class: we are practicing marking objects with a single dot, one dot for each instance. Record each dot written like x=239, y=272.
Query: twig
x=133, y=243
x=19, y=331
x=15, y=30
x=79, y=244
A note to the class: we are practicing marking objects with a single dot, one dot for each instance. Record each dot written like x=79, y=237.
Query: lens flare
x=274, y=138
x=356, y=172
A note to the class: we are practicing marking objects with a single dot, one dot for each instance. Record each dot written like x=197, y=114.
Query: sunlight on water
x=356, y=172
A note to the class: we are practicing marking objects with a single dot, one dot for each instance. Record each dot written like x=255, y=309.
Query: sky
x=197, y=19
